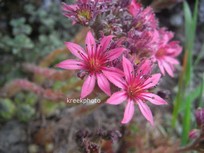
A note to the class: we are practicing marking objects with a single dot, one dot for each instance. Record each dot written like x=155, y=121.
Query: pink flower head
x=199, y=116
x=134, y=8
x=143, y=18
x=134, y=89
x=167, y=52
x=142, y=43
x=94, y=63
x=83, y=12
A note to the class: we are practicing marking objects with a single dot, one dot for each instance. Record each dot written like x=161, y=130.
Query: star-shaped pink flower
x=94, y=62
x=167, y=52
x=134, y=90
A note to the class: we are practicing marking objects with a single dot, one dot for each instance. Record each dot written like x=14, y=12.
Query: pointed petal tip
x=165, y=102
x=82, y=97
x=67, y=43
x=116, y=98
x=152, y=123
x=103, y=84
x=88, y=86
x=108, y=93
x=58, y=65
x=129, y=112
x=124, y=122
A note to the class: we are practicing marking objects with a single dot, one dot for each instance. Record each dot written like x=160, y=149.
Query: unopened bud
x=193, y=134
x=199, y=115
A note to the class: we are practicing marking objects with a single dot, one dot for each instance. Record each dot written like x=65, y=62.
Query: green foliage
x=25, y=112
x=183, y=103
x=31, y=32
x=50, y=108
x=201, y=54
x=25, y=98
x=7, y=109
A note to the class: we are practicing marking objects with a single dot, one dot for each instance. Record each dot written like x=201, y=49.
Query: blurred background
x=34, y=115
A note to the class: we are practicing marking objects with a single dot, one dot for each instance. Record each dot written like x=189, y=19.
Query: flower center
x=94, y=64
x=84, y=15
x=139, y=25
x=133, y=91
x=160, y=53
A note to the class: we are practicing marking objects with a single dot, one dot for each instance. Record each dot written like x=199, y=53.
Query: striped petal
x=90, y=43
x=128, y=68
x=76, y=50
x=117, y=98
x=114, y=78
x=129, y=112
x=103, y=84
x=115, y=53
x=171, y=60
x=146, y=112
x=70, y=64
x=152, y=81
x=88, y=86
x=113, y=70
x=168, y=68
x=104, y=43
x=161, y=67
x=154, y=99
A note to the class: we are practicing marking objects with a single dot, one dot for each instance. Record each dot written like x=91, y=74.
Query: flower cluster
x=120, y=50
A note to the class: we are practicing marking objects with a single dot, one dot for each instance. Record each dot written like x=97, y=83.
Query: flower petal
x=134, y=8
x=168, y=68
x=127, y=68
x=114, y=70
x=145, y=68
x=76, y=50
x=174, y=48
x=117, y=98
x=129, y=112
x=90, y=42
x=154, y=99
x=104, y=43
x=171, y=60
x=115, y=53
x=146, y=112
x=70, y=64
x=161, y=67
x=103, y=83
x=152, y=81
x=88, y=86
x=114, y=78
x=68, y=8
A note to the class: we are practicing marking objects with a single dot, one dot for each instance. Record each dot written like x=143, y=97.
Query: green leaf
x=187, y=119
x=200, y=56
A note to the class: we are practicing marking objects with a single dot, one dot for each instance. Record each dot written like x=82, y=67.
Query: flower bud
x=199, y=115
x=193, y=134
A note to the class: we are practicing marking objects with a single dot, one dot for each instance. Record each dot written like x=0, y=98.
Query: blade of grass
x=199, y=57
x=189, y=38
x=186, y=75
x=201, y=103
x=187, y=120
x=188, y=113
x=190, y=32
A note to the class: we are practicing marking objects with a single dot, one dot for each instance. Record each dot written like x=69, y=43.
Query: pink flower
x=134, y=8
x=134, y=89
x=83, y=12
x=143, y=18
x=94, y=63
x=167, y=52
x=143, y=43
